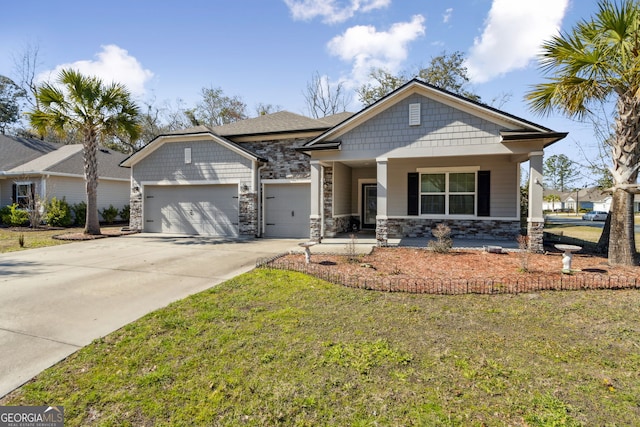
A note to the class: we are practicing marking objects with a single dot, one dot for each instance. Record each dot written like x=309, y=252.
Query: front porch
x=392, y=201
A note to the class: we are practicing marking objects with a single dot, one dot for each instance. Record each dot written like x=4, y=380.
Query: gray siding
x=441, y=126
x=341, y=189
x=210, y=161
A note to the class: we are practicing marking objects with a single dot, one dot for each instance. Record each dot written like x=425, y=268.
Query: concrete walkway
x=58, y=299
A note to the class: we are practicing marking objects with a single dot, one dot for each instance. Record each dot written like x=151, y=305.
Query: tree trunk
x=603, y=242
x=625, y=154
x=92, y=225
x=622, y=242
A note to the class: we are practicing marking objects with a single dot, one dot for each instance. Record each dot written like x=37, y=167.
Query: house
x=417, y=157
x=244, y=178
x=31, y=168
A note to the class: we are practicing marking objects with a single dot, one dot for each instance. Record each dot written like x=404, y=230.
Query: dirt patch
x=107, y=232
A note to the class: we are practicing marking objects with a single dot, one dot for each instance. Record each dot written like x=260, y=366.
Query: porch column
x=315, y=218
x=535, y=218
x=382, y=228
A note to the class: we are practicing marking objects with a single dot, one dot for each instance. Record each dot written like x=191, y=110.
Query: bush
x=58, y=213
x=109, y=214
x=443, y=242
x=125, y=213
x=15, y=217
x=79, y=213
x=5, y=214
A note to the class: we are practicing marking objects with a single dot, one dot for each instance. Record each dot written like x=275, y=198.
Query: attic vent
x=187, y=156
x=414, y=114
x=104, y=150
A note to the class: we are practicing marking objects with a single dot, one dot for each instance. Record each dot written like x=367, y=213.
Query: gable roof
x=20, y=156
x=516, y=128
x=280, y=123
x=15, y=151
x=198, y=132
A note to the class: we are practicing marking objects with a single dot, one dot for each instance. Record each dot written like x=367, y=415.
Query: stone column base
x=535, y=232
x=315, y=225
x=382, y=232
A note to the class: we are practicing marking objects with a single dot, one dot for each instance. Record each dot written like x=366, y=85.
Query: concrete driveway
x=56, y=300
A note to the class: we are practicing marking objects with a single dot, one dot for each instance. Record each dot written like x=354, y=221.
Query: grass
x=33, y=238
x=281, y=348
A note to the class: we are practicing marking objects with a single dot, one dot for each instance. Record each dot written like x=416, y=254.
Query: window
x=448, y=193
x=23, y=193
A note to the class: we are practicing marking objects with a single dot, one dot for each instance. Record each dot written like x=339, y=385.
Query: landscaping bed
x=421, y=270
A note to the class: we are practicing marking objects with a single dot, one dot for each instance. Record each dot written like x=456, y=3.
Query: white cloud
x=446, y=17
x=367, y=48
x=513, y=33
x=112, y=64
x=332, y=11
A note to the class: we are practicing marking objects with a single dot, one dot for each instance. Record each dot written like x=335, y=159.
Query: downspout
x=259, y=201
x=322, y=201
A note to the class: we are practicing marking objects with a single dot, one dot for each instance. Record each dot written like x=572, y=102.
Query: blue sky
x=266, y=51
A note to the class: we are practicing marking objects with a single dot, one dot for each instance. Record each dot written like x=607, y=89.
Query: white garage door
x=287, y=209
x=208, y=210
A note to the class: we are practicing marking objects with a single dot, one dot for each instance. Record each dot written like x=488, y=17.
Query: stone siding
x=535, y=232
x=284, y=162
x=461, y=228
x=248, y=218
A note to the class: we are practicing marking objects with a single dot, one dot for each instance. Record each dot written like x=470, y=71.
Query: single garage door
x=287, y=209
x=208, y=210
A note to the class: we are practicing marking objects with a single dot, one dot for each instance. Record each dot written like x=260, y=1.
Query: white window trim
x=447, y=194
x=24, y=183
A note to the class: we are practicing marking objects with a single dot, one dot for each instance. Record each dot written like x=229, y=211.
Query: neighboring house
x=418, y=157
x=31, y=168
x=553, y=200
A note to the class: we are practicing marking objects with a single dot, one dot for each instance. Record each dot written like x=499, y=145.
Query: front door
x=369, y=205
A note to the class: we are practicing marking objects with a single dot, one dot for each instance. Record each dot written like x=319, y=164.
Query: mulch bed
x=419, y=270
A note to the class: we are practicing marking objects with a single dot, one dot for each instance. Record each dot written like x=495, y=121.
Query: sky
x=267, y=51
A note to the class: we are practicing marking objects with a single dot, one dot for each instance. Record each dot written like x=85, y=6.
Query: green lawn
x=281, y=348
x=9, y=238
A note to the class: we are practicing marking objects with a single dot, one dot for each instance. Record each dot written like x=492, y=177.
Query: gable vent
x=414, y=114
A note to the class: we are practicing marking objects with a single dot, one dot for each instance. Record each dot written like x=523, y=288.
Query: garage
x=287, y=210
x=207, y=210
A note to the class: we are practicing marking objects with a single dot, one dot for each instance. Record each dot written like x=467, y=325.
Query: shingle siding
x=441, y=126
x=210, y=161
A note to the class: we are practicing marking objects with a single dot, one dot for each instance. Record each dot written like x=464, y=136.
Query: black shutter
x=413, y=196
x=484, y=193
x=14, y=193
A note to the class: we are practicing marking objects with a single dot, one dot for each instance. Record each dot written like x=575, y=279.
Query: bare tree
x=324, y=98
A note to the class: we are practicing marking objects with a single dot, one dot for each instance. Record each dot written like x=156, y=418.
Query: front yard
x=282, y=348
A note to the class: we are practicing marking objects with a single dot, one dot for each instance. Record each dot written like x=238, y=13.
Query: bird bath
x=567, y=256
x=307, y=251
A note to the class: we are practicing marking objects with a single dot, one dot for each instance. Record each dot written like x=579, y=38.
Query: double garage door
x=209, y=210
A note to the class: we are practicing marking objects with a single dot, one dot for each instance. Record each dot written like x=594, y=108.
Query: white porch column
x=535, y=218
x=315, y=218
x=382, y=228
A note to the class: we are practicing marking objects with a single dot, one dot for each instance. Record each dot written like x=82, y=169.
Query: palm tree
x=599, y=61
x=94, y=110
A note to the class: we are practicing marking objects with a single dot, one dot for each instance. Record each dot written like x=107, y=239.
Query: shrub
x=125, y=213
x=109, y=214
x=16, y=217
x=58, y=213
x=5, y=215
x=443, y=242
x=79, y=213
